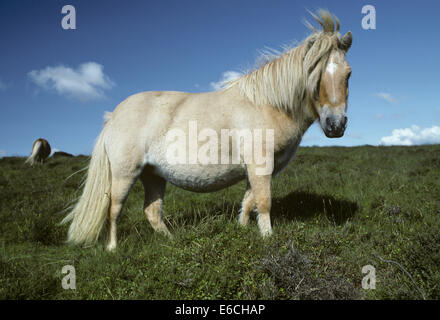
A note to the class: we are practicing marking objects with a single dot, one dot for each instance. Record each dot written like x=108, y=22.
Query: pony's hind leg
x=154, y=187
x=247, y=206
x=119, y=192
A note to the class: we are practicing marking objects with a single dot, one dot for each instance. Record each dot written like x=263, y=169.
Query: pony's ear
x=346, y=40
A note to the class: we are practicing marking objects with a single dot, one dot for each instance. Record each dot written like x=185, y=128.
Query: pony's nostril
x=327, y=121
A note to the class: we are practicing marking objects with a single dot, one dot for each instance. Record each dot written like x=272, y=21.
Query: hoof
x=243, y=219
x=266, y=234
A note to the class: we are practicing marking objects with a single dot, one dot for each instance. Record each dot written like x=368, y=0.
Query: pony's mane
x=287, y=79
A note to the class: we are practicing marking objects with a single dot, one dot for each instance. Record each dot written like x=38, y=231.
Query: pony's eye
x=317, y=90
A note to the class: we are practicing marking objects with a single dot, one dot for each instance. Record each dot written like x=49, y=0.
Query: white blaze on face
x=331, y=69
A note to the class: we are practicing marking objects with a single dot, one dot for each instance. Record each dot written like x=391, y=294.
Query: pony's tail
x=35, y=151
x=90, y=212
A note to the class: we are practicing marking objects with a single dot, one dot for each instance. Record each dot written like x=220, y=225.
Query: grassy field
x=334, y=211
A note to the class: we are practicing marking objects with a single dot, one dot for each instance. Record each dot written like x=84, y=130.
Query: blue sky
x=57, y=83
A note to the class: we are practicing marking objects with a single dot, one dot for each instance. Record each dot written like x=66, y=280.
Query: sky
x=57, y=83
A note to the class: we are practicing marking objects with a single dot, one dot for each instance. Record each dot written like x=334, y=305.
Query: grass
x=334, y=210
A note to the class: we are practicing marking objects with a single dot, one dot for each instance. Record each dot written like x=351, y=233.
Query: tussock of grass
x=334, y=210
x=291, y=273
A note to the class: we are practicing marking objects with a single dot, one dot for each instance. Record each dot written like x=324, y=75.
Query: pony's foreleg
x=247, y=206
x=119, y=192
x=261, y=191
x=154, y=187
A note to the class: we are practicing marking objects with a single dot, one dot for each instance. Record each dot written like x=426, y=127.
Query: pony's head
x=309, y=81
x=328, y=75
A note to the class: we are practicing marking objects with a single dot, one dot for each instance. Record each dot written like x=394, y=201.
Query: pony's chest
x=285, y=155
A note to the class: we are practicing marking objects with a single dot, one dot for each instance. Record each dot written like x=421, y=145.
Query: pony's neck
x=304, y=118
x=281, y=82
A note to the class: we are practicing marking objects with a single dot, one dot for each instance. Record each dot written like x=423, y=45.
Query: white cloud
x=386, y=97
x=2, y=153
x=412, y=136
x=87, y=82
x=225, y=77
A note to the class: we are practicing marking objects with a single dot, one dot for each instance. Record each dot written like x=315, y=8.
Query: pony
x=40, y=151
x=285, y=95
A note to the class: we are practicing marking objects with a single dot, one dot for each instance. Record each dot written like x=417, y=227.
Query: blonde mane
x=290, y=79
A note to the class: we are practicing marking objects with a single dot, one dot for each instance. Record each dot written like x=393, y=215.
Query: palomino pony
x=40, y=151
x=284, y=96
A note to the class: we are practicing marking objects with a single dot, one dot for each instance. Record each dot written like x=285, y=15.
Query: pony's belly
x=202, y=178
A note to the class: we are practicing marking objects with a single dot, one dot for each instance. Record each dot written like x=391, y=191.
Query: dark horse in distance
x=40, y=151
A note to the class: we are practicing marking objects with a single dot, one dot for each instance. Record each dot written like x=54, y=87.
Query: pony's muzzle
x=335, y=126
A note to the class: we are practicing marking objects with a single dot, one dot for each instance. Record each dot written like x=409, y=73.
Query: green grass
x=334, y=210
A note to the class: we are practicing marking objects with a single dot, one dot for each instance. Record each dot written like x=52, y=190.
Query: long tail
x=35, y=151
x=90, y=212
